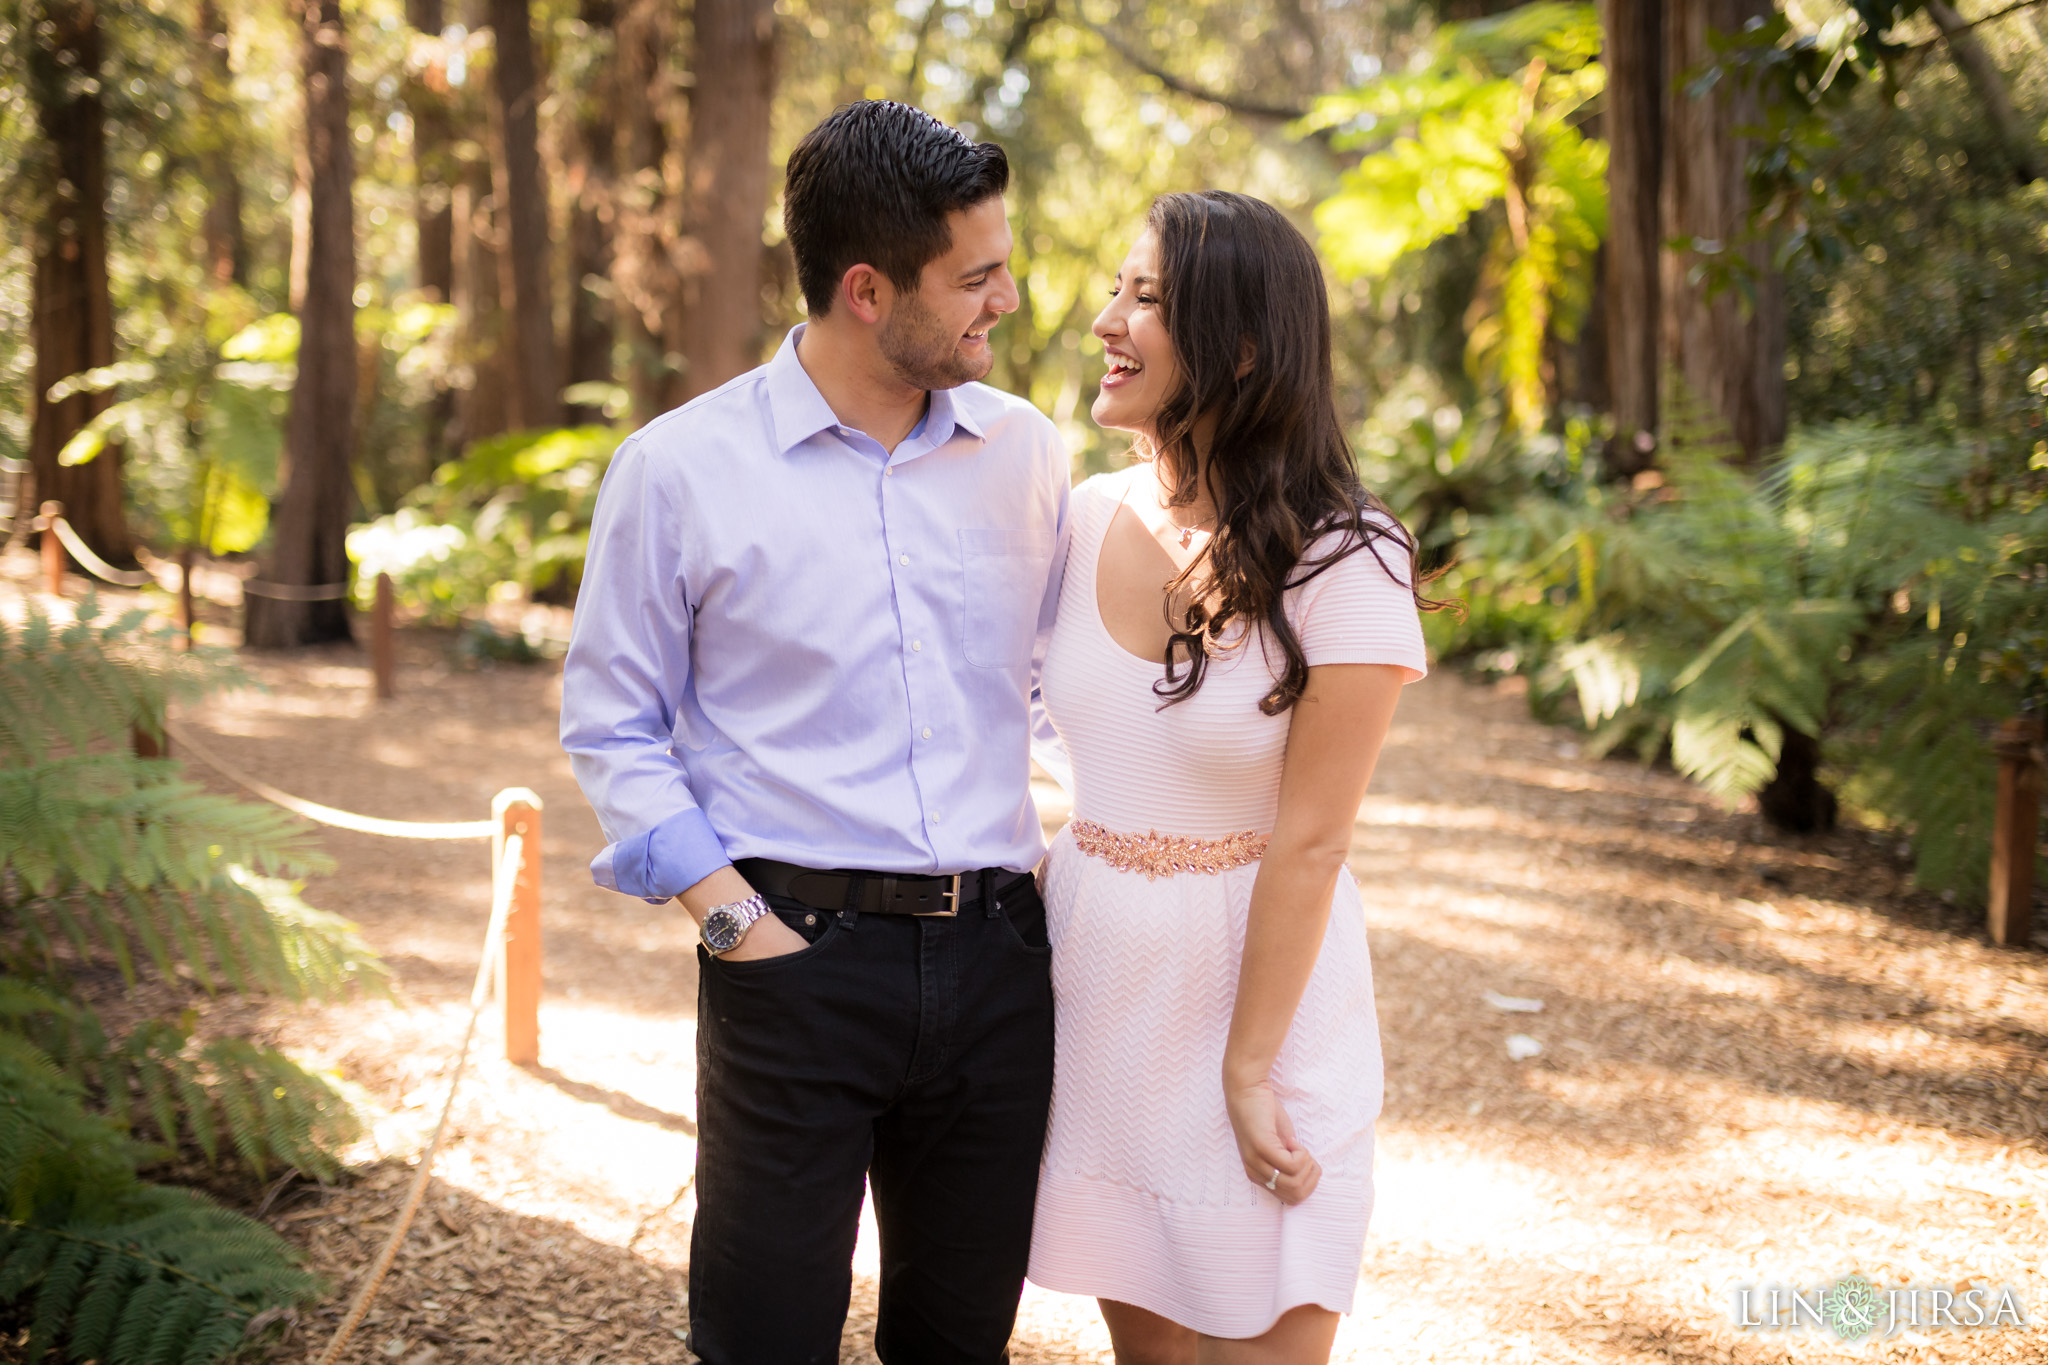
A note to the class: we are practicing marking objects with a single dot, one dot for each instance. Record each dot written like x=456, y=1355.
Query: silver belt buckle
x=951, y=895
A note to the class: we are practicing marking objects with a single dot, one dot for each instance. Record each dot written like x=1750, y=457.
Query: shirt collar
x=795, y=406
x=800, y=412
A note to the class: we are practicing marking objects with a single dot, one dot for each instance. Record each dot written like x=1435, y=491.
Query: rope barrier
x=494, y=936
x=93, y=564
x=329, y=815
x=292, y=592
x=143, y=578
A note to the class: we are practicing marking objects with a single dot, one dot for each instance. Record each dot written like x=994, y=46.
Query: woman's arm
x=1333, y=741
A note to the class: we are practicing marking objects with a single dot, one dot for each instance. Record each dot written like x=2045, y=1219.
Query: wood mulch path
x=1763, y=1060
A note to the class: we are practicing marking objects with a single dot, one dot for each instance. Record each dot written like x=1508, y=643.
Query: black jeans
x=916, y=1052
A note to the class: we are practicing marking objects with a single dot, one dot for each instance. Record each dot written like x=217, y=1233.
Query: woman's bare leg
x=1303, y=1336
x=1145, y=1338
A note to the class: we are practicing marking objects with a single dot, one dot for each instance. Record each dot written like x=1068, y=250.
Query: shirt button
x=938, y=817
x=916, y=646
x=902, y=559
x=890, y=472
x=927, y=732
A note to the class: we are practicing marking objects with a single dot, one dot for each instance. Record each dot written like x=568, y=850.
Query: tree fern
x=1856, y=591
x=107, y=858
x=166, y=1278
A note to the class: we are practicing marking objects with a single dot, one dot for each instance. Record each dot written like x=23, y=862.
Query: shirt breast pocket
x=1003, y=575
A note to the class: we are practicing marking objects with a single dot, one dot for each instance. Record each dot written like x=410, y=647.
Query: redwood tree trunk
x=1634, y=57
x=592, y=215
x=1731, y=356
x=72, y=319
x=435, y=173
x=536, y=380
x=646, y=281
x=227, y=246
x=728, y=188
x=2022, y=147
x=314, y=493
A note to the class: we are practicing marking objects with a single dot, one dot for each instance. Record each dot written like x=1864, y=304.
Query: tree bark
x=728, y=188
x=1730, y=352
x=1634, y=57
x=480, y=407
x=227, y=246
x=536, y=381
x=592, y=213
x=647, y=282
x=314, y=492
x=479, y=237
x=2021, y=146
x=72, y=310
x=434, y=169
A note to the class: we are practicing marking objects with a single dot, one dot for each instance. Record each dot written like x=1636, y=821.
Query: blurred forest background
x=1707, y=341
x=1704, y=344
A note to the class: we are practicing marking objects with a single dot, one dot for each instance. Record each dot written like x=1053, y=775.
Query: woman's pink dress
x=1143, y=1198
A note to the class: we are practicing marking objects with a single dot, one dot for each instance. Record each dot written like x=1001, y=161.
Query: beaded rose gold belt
x=1163, y=855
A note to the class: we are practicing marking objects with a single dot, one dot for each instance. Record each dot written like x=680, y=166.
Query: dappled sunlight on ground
x=1761, y=1059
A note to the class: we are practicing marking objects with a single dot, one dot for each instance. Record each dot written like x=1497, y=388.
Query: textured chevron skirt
x=1142, y=1197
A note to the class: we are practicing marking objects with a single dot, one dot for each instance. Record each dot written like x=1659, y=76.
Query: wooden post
x=382, y=662
x=517, y=811
x=185, y=593
x=53, y=549
x=2015, y=831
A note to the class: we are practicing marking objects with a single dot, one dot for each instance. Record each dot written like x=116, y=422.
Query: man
x=798, y=696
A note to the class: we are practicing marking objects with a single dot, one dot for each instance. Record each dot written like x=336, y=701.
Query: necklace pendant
x=1187, y=536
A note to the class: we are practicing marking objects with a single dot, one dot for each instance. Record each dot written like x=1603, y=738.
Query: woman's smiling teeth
x=1123, y=364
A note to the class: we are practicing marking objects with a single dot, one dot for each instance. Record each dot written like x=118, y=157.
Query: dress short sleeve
x=1361, y=610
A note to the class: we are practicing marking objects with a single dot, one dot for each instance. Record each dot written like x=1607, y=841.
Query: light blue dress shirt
x=790, y=643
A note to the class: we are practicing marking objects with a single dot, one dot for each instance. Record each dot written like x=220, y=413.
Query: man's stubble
x=924, y=352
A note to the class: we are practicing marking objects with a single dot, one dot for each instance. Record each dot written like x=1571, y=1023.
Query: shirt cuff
x=661, y=862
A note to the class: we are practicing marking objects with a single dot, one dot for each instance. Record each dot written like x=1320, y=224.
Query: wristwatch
x=725, y=925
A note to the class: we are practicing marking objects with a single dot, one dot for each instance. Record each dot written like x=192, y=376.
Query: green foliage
x=110, y=1268
x=1852, y=592
x=514, y=510
x=1490, y=120
x=202, y=425
x=1916, y=270
x=110, y=859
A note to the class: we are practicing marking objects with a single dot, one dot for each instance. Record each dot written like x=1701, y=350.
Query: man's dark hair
x=874, y=183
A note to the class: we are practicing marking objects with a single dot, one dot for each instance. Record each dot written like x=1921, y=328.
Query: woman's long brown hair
x=1238, y=280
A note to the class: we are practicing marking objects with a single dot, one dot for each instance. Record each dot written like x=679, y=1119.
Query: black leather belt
x=877, y=893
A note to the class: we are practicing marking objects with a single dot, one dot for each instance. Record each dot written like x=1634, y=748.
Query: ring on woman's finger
x=1273, y=1180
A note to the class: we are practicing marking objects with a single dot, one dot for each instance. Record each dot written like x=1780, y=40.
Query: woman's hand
x=1266, y=1143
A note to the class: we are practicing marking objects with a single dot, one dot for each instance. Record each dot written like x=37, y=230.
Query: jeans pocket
x=756, y=968
x=1023, y=915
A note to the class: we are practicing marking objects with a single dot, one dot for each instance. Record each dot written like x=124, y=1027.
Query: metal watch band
x=738, y=917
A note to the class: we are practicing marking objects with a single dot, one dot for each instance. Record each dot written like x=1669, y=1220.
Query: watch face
x=721, y=930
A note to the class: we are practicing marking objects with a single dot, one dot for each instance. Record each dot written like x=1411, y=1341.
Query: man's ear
x=1247, y=352
x=866, y=292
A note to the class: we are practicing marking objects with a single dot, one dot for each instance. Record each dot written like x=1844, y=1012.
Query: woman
x=1236, y=624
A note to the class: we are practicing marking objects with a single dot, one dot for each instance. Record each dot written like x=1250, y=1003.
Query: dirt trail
x=1762, y=1060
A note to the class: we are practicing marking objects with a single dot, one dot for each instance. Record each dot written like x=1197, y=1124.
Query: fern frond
x=54, y=1154
x=171, y=1276
x=234, y=929
x=159, y=1082
x=92, y=682
x=102, y=820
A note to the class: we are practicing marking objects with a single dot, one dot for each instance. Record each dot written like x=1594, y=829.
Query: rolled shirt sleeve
x=627, y=668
